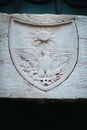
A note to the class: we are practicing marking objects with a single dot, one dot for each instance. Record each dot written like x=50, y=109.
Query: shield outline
x=35, y=23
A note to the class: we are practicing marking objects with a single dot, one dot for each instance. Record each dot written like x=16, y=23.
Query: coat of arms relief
x=44, y=52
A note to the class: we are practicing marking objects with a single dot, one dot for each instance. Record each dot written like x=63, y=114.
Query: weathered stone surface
x=43, y=56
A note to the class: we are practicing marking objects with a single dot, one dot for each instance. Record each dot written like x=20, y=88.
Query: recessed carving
x=46, y=54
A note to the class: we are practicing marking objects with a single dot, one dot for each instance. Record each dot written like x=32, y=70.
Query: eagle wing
x=28, y=57
x=59, y=60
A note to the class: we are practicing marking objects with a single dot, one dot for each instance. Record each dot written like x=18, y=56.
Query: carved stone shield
x=44, y=48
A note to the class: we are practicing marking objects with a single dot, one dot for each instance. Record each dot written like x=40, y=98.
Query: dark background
x=53, y=7
x=43, y=113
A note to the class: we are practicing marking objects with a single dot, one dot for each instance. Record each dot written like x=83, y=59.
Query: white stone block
x=43, y=56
